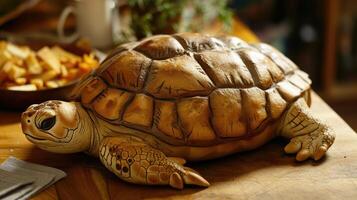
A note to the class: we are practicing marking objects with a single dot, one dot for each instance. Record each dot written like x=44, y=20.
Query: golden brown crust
x=288, y=91
x=166, y=119
x=197, y=42
x=304, y=76
x=194, y=114
x=254, y=105
x=260, y=73
x=124, y=47
x=110, y=103
x=177, y=77
x=284, y=63
x=260, y=61
x=126, y=71
x=160, y=47
x=276, y=104
x=225, y=68
x=140, y=111
x=195, y=89
x=228, y=118
x=296, y=80
x=93, y=88
x=233, y=43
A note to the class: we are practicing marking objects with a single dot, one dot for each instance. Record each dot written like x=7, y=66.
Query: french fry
x=61, y=82
x=28, y=87
x=84, y=67
x=72, y=74
x=4, y=57
x=70, y=64
x=90, y=60
x=50, y=59
x=17, y=61
x=20, y=81
x=56, y=83
x=65, y=56
x=16, y=72
x=17, y=51
x=33, y=66
x=11, y=71
x=64, y=71
x=24, y=69
x=51, y=84
x=37, y=82
x=4, y=72
x=48, y=75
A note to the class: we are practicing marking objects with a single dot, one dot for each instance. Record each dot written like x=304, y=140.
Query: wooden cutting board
x=266, y=173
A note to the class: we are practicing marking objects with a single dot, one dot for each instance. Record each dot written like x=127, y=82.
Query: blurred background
x=320, y=36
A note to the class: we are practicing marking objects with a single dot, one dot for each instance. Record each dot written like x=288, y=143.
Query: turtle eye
x=48, y=123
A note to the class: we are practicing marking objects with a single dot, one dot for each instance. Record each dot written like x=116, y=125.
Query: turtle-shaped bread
x=154, y=104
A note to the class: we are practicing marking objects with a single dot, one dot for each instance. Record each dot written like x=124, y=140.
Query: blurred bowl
x=19, y=100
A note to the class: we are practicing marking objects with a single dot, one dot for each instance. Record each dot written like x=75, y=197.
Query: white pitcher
x=97, y=21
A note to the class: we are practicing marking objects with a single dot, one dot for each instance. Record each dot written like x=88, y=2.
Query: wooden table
x=266, y=173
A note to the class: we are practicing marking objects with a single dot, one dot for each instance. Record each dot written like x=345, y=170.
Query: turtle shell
x=194, y=89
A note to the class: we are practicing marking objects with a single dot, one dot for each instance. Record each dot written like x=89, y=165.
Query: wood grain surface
x=266, y=173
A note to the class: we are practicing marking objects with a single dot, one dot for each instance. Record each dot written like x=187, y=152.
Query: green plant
x=168, y=16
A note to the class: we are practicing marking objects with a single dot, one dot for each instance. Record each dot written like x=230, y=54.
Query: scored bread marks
x=177, y=77
x=194, y=118
x=128, y=71
x=254, y=103
x=260, y=73
x=160, y=47
x=110, y=103
x=275, y=103
x=304, y=76
x=197, y=42
x=260, y=60
x=288, y=91
x=121, y=48
x=140, y=111
x=166, y=119
x=284, y=63
x=233, y=43
x=299, y=82
x=226, y=69
x=92, y=89
x=228, y=118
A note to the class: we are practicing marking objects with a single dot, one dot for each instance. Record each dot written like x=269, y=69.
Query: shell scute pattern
x=177, y=77
x=195, y=89
x=227, y=112
x=225, y=68
x=196, y=42
x=160, y=47
x=126, y=71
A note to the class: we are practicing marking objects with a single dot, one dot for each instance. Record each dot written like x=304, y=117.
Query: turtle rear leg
x=309, y=137
x=134, y=161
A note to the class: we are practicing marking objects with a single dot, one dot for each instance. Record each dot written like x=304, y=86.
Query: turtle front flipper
x=309, y=137
x=134, y=161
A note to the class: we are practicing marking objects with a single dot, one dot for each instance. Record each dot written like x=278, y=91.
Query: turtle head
x=56, y=126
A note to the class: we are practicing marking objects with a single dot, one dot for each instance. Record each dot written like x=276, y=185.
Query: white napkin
x=40, y=178
x=10, y=182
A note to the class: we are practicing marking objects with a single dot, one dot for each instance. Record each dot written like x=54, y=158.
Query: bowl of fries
x=33, y=73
